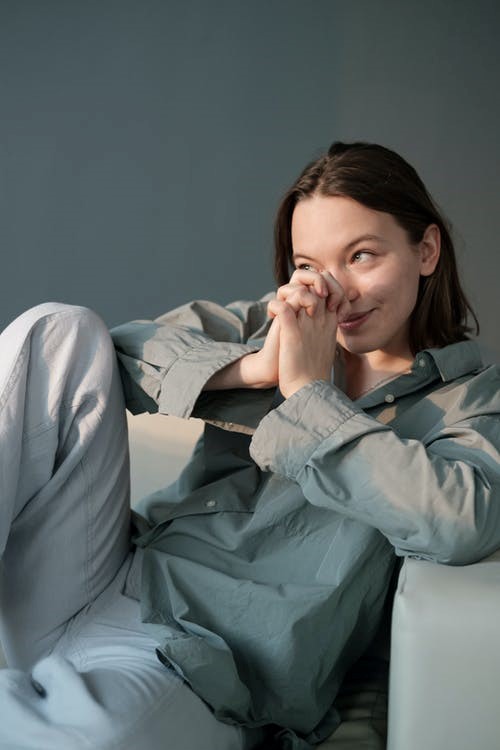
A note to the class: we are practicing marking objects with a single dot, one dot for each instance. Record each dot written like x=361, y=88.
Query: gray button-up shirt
x=266, y=566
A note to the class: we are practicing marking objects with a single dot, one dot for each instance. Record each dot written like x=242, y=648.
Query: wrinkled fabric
x=266, y=565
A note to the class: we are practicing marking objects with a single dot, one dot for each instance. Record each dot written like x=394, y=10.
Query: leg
x=95, y=680
x=103, y=688
x=64, y=474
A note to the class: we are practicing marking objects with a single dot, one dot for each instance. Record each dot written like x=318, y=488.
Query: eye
x=361, y=256
x=305, y=267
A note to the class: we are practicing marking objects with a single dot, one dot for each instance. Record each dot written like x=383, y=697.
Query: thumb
x=273, y=335
x=285, y=315
x=289, y=323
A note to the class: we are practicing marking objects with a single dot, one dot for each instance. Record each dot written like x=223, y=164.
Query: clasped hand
x=300, y=345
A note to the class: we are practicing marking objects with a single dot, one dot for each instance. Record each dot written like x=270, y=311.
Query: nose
x=351, y=291
x=347, y=282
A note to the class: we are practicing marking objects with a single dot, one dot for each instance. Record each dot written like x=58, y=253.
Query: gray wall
x=144, y=145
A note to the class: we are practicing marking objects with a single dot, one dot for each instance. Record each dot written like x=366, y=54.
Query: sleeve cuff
x=184, y=381
x=288, y=436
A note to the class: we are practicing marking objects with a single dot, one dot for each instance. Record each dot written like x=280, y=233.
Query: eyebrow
x=351, y=244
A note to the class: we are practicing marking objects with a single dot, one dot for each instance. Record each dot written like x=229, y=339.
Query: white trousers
x=82, y=672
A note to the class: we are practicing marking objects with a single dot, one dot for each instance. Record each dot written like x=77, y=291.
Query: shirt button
x=421, y=362
x=389, y=398
x=211, y=503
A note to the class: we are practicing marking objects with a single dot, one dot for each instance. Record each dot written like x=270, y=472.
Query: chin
x=357, y=347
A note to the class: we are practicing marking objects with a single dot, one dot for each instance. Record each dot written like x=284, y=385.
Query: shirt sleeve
x=165, y=363
x=437, y=497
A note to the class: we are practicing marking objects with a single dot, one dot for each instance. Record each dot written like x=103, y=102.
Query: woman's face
x=370, y=256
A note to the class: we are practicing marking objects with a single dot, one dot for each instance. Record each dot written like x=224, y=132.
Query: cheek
x=383, y=290
x=399, y=289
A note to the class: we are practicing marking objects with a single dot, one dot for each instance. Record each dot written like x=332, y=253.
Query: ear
x=430, y=248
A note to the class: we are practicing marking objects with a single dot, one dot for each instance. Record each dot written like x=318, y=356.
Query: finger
x=274, y=307
x=277, y=307
x=312, y=279
x=335, y=300
x=343, y=310
x=272, y=340
x=298, y=297
x=284, y=291
x=304, y=300
x=335, y=291
x=273, y=333
x=287, y=325
x=324, y=284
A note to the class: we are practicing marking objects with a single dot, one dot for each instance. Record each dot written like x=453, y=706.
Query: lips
x=355, y=320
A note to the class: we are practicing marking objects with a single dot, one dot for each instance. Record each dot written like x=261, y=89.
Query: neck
x=362, y=372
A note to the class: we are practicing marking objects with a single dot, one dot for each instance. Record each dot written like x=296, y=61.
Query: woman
x=348, y=416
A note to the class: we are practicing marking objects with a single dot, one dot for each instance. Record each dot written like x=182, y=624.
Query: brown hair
x=382, y=180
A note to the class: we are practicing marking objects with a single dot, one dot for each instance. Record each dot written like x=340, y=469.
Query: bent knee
x=47, y=310
x=54, y=324
x=60, y=317
x=63, y=310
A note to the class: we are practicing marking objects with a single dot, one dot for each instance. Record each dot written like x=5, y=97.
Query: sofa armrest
x=445, y=657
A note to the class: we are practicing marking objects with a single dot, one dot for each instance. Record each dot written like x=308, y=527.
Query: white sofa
x=444, y=688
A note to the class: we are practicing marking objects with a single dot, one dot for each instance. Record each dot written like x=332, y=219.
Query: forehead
x=338, y=221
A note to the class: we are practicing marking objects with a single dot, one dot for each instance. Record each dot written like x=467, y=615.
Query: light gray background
x=145, y=144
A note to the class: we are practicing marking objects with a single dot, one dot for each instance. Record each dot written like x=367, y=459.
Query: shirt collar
x=455, y=360
x=448, y=363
